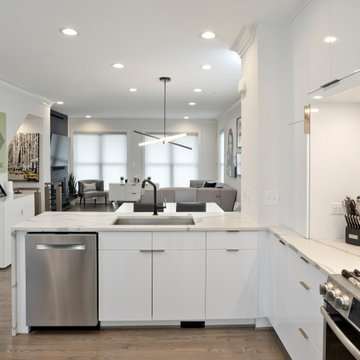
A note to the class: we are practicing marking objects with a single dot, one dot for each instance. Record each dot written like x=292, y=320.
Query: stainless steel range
x=341, y=313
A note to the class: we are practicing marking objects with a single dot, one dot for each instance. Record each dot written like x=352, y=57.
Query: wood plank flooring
x=171, y=343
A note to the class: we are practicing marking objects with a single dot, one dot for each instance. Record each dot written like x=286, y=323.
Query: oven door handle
x=340, y=335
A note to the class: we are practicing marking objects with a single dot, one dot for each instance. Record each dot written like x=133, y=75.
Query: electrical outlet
x=271, y=198
x=336, y=209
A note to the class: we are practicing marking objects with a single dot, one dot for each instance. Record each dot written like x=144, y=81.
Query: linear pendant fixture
x=165, y=139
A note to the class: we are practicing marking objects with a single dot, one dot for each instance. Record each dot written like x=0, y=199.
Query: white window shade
x=171, y=165
x=100, y=156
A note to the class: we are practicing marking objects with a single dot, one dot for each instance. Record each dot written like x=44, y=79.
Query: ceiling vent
x=244, y=39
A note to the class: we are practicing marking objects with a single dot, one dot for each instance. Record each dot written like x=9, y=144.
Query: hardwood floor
x=169, y=343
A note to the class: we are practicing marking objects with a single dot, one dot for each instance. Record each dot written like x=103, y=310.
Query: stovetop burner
x=352, y=277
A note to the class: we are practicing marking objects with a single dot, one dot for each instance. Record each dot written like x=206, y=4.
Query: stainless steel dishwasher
x=61, y=279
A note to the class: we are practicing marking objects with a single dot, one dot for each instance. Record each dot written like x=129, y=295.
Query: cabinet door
x=345, y=26
x=124, y=285
x=318, y=21
x=179, y=285
x=231, y=289
x=278, y=252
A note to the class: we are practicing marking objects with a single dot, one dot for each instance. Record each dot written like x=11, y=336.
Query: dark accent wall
x=59, y=126
x=58, y=123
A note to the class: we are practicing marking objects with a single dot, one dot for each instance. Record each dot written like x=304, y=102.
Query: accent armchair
x=91, y=189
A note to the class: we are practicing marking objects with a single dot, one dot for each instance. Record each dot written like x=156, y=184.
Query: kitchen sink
x=155, y=220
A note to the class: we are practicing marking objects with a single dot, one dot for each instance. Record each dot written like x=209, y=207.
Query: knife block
x=352, y=236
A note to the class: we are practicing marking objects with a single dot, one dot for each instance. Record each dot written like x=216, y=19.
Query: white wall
x=227, y=121
x=335, y=170
x=262, y=118
x=205, y=128
x=19, y=105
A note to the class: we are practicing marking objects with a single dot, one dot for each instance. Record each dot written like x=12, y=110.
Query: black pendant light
x=165, y=139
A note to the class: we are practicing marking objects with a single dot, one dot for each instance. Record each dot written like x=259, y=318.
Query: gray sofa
x=223, y=195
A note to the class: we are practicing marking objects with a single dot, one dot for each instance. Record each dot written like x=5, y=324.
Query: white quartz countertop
x=329, y=255
x=102, y=221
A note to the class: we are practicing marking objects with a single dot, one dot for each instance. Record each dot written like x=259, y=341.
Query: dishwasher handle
x=60, y=246
x=340, y=335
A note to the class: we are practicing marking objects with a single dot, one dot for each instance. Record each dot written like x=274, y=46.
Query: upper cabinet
x=318, y=22
x=345, y=27
x=324, y=43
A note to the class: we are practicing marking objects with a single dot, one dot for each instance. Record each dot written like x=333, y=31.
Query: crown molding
x=244, y=39
x=32, y=96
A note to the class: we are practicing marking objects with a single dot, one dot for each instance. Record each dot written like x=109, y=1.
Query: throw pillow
x=209, y=184
x=89, y=187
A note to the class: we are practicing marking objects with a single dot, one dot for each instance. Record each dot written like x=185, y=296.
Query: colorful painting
x=3, y=167
x=23, y=157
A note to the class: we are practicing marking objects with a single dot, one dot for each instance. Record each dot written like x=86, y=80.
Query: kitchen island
x=224, y=269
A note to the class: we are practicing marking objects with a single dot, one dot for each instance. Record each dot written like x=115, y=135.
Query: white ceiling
x=152, y=38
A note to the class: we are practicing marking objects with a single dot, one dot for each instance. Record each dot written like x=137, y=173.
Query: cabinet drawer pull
x=232, y=230
x=329, y=83
x=159, y=250
x=303, y=259
x=303, y=333
x=145, y=250
x=282, y=242
x=232, y=249
x=305, y=286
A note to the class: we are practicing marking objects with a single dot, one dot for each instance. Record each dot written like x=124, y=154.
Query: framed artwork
x=23, y=157
x=238, y=164
x=3, y=155
x=238, y=132
x=2, y=192
x=230, y=168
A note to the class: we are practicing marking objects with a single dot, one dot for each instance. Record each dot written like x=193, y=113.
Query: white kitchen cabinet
x=317, y=19
x=231, y=275
x=179, y=276
x=344, y=25
x=13, y=209
x=125, y=276
x=151, y=276
x=295, y=301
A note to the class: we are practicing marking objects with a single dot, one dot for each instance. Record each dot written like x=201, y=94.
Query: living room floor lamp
x=165, y=139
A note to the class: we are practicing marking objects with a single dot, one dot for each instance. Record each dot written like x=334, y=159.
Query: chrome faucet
x=156, y=206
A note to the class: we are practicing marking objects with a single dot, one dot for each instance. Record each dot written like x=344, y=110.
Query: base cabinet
x=151, y=276
x=295, y=302
x=125, y=285
x=231, y=275
x=231, y=288
x=179, y=285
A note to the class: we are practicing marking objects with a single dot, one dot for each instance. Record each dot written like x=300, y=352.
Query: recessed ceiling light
x=60, y=102
x=192, y=103
x=117, y=66
x=197, y=90
x=69, y=32
x=133, y=90
x=88, y=116
x=186, y=117
x=208, y=35
x=330, y=39
x=206, y=67
x=316, y=97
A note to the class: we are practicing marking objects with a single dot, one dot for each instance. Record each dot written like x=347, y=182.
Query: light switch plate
x=271, y=197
